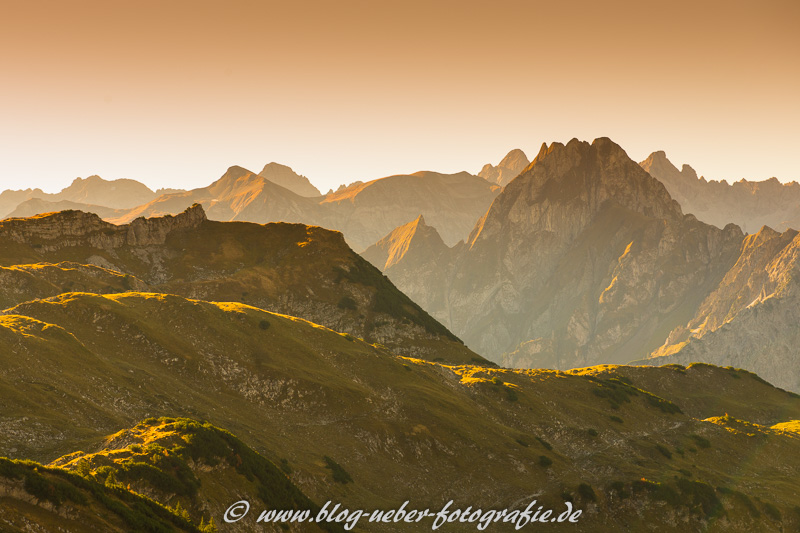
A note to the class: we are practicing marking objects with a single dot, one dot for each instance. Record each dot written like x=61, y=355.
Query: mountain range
x=585, y=259
x=582, y=259
x=157, y=370
x=93, y=191
x=748, y=204
x=364, y=212
x=575, y=259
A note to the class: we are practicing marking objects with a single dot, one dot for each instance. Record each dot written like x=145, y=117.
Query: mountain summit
x=405, y=241
x=584, y=258
x=509, y=168
x=289, y=179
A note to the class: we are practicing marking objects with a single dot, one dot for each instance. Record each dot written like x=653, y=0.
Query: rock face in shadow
x=748, y=204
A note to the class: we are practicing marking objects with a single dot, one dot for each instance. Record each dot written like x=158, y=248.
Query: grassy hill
x=633, y=447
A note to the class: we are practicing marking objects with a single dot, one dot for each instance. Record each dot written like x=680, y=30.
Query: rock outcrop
x=53, y=231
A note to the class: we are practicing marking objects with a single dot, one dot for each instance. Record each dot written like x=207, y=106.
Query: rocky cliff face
x=750, y=320
x=582, y=259
x=54, y=231
x=749, y=204
x=509, y=168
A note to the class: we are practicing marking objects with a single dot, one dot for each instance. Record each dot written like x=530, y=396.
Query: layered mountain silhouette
x=238, y=195
x=93, y=191
x=449, y=202
x=36, y=206
x=749, y=204
x=166, y=368
x=509, y=168
x=363, y=212
x=582, y=259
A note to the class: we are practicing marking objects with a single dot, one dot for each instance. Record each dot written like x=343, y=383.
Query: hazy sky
x=173, y=92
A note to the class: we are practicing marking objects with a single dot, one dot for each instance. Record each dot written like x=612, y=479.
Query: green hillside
x=630, y=446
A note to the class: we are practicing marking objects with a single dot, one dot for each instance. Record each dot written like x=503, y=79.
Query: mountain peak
x=412, y=238
x=289, y=179
x=509, y=168
x=575, y=181
x=657, y=165
x=688, y=171
x=515, y=159
x=235, y=177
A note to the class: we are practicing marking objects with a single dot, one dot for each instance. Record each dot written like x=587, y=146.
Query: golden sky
x=173, y=92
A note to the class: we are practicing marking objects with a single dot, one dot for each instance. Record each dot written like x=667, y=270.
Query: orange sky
x=172, y=93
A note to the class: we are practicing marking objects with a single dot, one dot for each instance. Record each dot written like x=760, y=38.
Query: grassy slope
x=402, y=428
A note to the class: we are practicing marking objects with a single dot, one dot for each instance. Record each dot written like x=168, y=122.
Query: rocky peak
x=289, y=179
x=565, y=187
x=235, y=178
x=689, y=172
x=515, y=160
x=415, y=237
x=509, y=168
x=658, y=159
